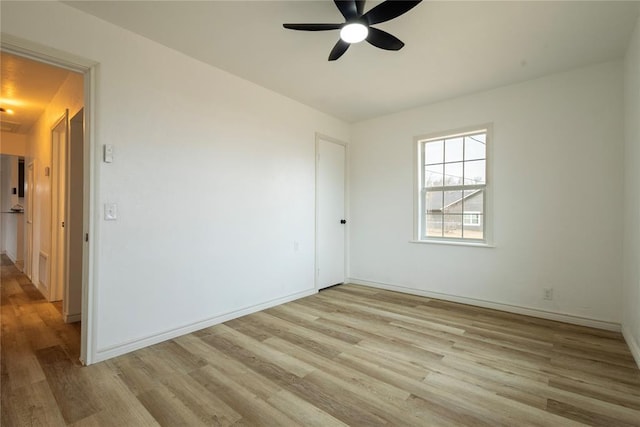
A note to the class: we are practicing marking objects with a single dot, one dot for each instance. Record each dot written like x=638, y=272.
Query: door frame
x=318, y=137
x=88, y=69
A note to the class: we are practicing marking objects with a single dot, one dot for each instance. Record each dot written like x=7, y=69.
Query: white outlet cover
x=110, y=211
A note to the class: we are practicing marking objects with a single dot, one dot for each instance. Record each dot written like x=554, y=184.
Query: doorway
x=58, y=226
x=330, y=211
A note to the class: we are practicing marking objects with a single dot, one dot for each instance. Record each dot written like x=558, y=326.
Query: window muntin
x=453, y=181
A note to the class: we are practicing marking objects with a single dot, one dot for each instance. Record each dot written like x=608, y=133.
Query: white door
x=29, y=212
x=59, y=161
x=330, y=213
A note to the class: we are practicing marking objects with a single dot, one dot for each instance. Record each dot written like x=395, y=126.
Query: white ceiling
x=452, y=47
x=27, y=87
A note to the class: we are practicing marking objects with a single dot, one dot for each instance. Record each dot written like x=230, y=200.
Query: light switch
x=110, y=211
x=108, y=153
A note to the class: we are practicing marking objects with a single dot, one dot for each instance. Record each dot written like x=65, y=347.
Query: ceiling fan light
x=354, y=33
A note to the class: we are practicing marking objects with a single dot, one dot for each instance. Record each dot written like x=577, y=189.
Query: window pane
x=453, y=150
x=452, y=226
x=470, y=219
x=473, y=228
x=453, y=201
x=474, y=147
x=433, y=175
x=433, y=152
x=474, y=172
x=433, y=202
x=473, y=201
x=453, y=174
x=434, y=225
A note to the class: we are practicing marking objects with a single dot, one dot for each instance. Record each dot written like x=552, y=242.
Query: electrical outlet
x=110, y=211
x=548, y=294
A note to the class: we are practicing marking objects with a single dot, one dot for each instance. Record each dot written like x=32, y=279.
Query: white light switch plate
x=108, y=153
x=110, y=211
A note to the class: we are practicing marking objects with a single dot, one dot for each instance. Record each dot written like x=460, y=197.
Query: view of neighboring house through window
x=453, y=181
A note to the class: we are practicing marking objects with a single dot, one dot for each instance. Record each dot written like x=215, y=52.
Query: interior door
x=29, y=227
x=59, y=184
x=330, y=214
x=72, y=300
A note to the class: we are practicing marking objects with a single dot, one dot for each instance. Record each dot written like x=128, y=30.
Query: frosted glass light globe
x=354, y=33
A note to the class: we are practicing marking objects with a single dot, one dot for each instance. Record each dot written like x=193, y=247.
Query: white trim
x=132, y=345
x=319, y=136
x=88, y=69
x=527, y=311
x=46, y=54
x=71, y=318
x=454, y=243
x=634, y=346
x=90, y=220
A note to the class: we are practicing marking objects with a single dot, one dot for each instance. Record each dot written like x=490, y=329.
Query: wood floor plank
x=350, y=355
x=303, y=411
x=203, y=404
x=247, y=378
x=289, y=363
x=32, y=404
x=629, y=399
x=585, y=416
x=254, y=410
x=71, y=391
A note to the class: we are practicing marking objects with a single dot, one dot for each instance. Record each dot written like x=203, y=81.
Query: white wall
x=5, y=200
x=213, y=177
x=12, y=229
x=13, y=144
x=631, y=294
x=557, y=183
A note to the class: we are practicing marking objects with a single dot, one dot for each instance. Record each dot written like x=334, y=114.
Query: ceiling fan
x=357, y=26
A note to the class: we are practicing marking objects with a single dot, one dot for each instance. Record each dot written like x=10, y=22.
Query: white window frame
x=419, y=235
x=471, y=218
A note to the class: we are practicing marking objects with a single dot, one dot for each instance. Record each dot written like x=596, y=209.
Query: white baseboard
x=72, y=318
x=43, y=290
x=14, y=260
x=120, y=349
x=633, y=344
x=534, y=312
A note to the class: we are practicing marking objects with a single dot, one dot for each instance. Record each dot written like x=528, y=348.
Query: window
x=452, y=183
x=471, y=218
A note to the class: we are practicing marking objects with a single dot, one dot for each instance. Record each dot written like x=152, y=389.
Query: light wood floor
x=349, y=355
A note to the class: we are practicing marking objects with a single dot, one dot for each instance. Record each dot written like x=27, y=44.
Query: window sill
x=453, y=243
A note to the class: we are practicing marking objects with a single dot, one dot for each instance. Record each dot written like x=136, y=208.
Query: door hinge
x=62, y=224
x=86, y=237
